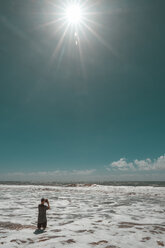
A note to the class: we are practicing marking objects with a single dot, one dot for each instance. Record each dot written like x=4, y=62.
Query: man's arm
x=48, y=204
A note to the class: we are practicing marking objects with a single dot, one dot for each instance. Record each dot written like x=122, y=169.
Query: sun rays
x=74, y=21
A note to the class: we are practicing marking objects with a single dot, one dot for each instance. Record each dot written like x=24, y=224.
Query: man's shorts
x=44, y=225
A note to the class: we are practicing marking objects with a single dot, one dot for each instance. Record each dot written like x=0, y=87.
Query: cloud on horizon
x=121, y=170
x=138, y=165
x=57, y=175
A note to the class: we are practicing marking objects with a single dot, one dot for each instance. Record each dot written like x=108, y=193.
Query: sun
x=74, y=24
x=74, y=14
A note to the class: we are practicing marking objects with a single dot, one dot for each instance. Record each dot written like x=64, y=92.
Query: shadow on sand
x=39, y=231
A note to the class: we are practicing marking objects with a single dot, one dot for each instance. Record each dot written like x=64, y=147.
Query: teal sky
x=84, y=108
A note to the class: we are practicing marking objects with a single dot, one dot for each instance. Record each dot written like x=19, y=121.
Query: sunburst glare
x=74, y=20
x=74, y=14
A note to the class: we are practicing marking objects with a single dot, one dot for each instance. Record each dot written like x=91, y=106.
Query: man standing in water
x=42, y=221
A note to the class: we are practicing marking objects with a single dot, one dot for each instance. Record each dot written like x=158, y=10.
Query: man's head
x=42, y=201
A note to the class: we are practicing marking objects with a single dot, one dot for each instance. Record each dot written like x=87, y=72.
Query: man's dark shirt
x=42, y=213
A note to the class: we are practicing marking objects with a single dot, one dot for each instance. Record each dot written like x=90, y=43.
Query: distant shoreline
x=88, y=184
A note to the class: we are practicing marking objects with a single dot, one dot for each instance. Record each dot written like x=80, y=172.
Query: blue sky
x=80, y=109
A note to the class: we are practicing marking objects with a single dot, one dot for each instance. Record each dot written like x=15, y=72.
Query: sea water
x=83, y=215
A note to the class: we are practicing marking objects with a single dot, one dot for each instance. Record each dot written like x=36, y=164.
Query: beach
x=83, y=216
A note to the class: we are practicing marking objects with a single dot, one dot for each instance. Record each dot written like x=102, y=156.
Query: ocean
x=110, y=183
x=108, y=215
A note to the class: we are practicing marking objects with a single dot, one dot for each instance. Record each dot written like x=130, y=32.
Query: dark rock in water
x=56, y=230
x=43, y=239
x=159, y=228
x=72, y=185
x=88, y=184
x=30, y=241
x=99, y=242
x=90, y=231
x=23, y=241
x=145, y=239
x=65, y=223
x=69, y=241
x=81, y=231
x=18, y=241
x=56, y=236
x=111, y=246
x=160, y=243
x=15, y=226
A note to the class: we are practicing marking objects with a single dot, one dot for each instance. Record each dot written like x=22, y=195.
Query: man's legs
x=44, y=225
x=39, y=225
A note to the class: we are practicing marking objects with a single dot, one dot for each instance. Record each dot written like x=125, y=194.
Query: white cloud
x=139, y=165
x=57, y=175
x=122, y=164
x=83, y=172
x=122, y=169
x=160, y=163
x=143, y=164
